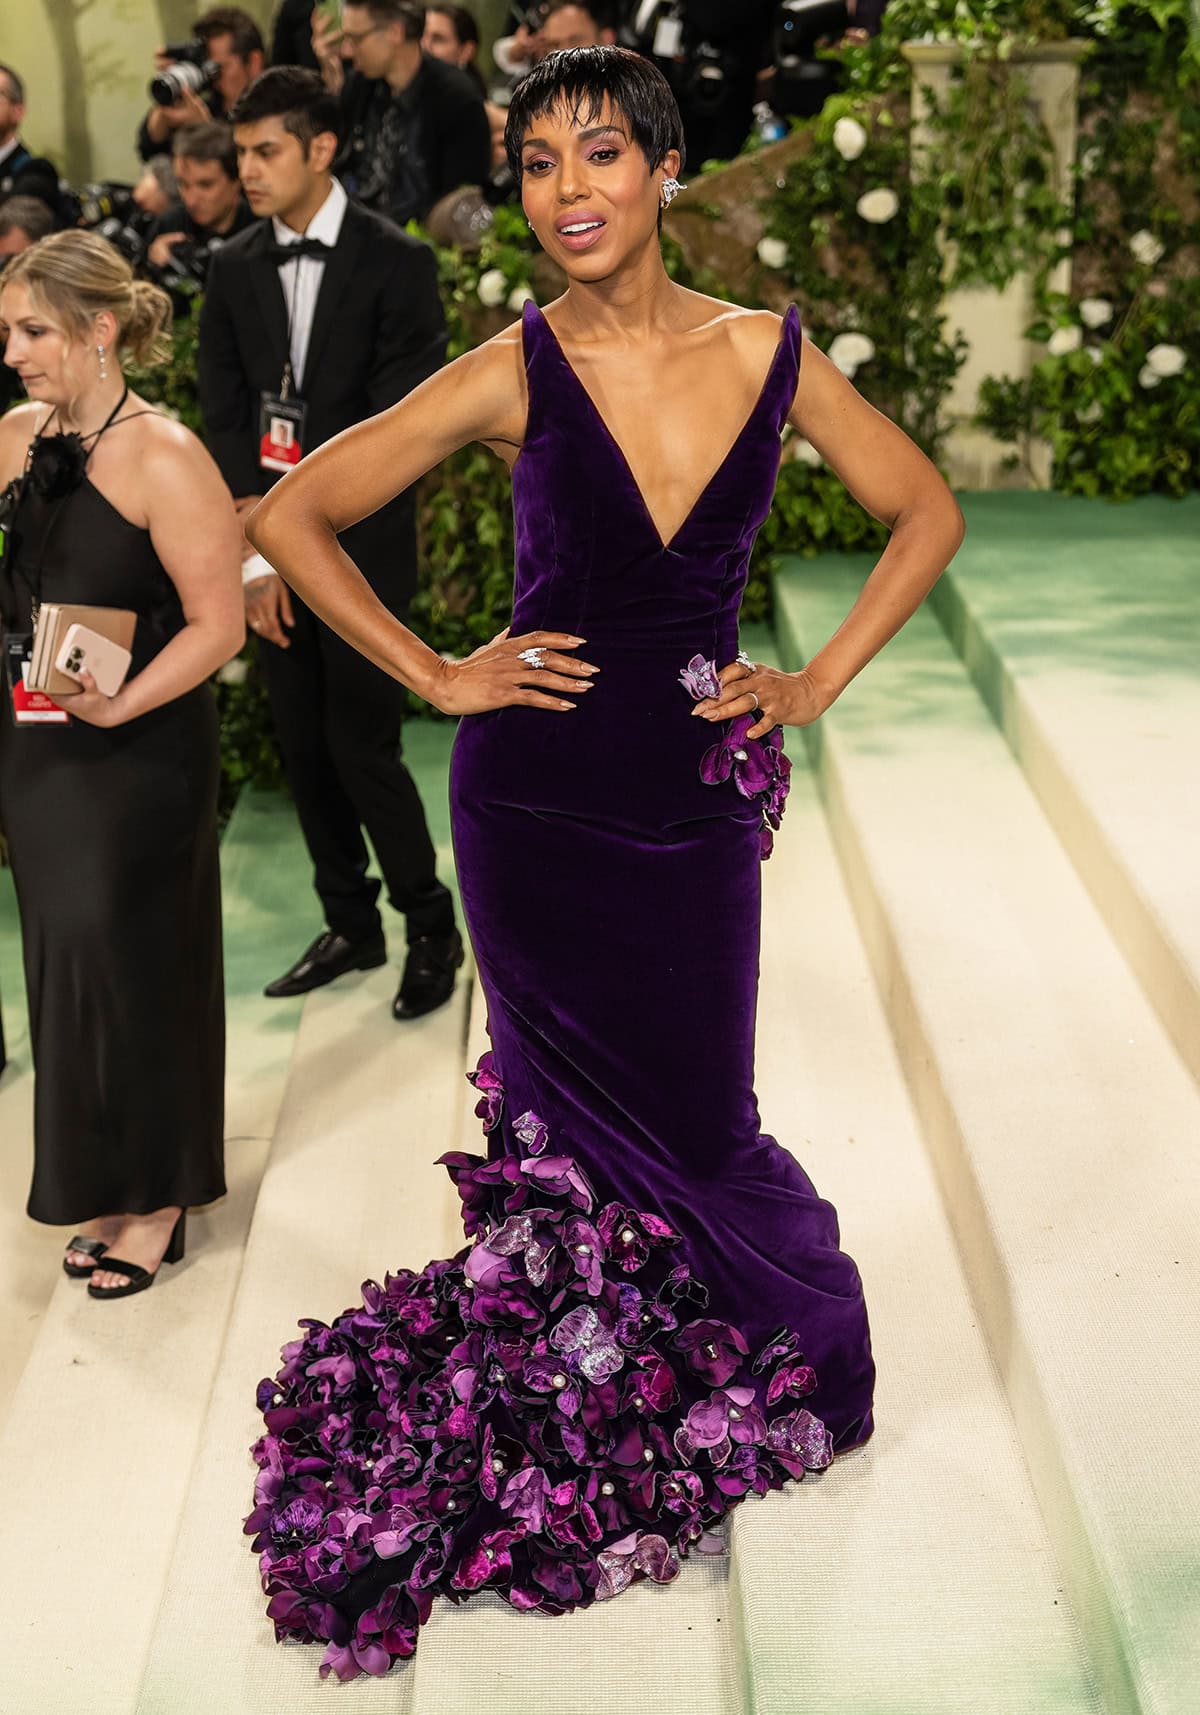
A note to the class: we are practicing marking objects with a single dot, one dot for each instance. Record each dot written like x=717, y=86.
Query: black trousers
x=338, y=720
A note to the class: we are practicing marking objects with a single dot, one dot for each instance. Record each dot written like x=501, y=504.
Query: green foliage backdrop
x=867, y=250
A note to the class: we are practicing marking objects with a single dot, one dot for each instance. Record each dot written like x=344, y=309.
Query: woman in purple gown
x=653, y=1318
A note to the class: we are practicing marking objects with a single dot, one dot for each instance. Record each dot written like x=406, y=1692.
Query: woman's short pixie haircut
x=579, y=82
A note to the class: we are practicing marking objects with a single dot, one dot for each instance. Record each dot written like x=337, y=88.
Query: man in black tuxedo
x=314, y=318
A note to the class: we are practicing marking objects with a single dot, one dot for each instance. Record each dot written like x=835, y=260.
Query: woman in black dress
x=111, y=817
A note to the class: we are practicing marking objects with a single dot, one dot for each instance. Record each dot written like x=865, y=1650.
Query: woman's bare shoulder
x=751, y=336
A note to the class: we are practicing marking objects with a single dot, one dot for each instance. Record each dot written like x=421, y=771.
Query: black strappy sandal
x=141, y=1279
x=89, y=1247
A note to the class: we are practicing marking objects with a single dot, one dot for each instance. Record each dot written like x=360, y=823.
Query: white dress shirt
x=301, y=283
x=301, y=280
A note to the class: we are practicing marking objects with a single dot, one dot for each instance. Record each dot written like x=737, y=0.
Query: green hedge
x=1116, y=395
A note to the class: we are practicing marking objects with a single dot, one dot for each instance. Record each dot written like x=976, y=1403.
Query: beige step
x=915, y=1577
x=654, y=1648
x=1079, y=623
x=1062, y=1124
x=349, y=1191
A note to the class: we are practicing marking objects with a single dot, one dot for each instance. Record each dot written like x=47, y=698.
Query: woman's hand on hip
x=528, y=670
x=781, y=699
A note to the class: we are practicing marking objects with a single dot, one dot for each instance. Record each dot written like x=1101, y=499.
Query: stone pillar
x=994, y=322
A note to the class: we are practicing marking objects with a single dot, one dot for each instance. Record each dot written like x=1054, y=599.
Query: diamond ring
x=746, y=661
x=534, y=657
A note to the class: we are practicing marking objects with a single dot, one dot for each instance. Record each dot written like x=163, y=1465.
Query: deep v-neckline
x=666, y=544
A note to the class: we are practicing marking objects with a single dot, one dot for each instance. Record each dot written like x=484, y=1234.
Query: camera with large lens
x=103, y=200
x=107, y=208
x=186, y=268
x=191, y=70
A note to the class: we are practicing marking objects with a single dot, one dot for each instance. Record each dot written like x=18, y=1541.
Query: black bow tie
x=280, y=253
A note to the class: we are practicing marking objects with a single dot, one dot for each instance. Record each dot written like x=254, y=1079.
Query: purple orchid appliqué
x=758, y=766
x=552, y=1413
x=699, y=679
x=487, y=1081
x=533, y=1132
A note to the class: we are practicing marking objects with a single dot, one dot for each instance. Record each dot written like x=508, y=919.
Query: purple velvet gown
x=654, y=1318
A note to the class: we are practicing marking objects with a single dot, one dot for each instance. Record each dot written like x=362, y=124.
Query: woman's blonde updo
x=71, y=276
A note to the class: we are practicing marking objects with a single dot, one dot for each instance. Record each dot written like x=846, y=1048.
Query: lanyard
x=32, y=578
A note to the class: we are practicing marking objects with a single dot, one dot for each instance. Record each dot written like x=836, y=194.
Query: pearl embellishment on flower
x=607, y=1489
x=627, y=1235
x=559, y=1380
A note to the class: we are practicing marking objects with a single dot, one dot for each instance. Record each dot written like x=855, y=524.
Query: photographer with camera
x=201, y=79
x=156, y=189
x=713, y=53
x=576, y=24
x=451, y=34
x=13, y=153
x=23, y=220
x=210, y=209
x=21, y=172
x=413, y=127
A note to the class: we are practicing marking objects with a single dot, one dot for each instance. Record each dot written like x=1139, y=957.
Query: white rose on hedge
x=1090, y=160
x=1166, y=360
x=878, y=205
x=493, y=288
x=807, y=453
x=233, y=672
x=1092, y=413
x=519, y=297
x=1063, y=340
x=849, y=139
x=848, y=350
x=1147, y=377
x=1146, y=248
x=1094, y=312
x=772, y=252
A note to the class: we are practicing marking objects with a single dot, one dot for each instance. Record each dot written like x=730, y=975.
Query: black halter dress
x=112, y=837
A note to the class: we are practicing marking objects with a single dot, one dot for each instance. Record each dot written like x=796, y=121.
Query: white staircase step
x=30, y=1254
x=915, y=1577
x=263, y=870
x=97, y=1445
x=652, y=1649
x=1062, y=1124
x=1079, y=622
x=349, y=1191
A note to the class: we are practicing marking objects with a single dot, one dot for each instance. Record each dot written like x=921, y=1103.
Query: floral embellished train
x=551, y=1414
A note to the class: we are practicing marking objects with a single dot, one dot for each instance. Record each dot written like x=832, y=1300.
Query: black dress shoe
x=428, y=980
x=329, y=956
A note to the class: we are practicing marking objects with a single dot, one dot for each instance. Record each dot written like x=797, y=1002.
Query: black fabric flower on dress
x=57, y=464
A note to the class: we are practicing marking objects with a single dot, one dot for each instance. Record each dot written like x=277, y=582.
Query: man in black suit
x=314, y=318
x=414, y=127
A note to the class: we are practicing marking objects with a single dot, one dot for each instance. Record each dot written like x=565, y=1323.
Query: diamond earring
x=670, y=190
x=103, y=356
